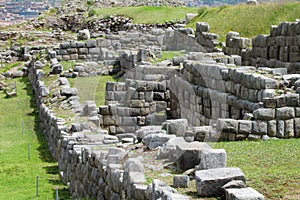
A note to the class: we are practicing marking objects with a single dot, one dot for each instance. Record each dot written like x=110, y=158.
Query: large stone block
x=245, y=126
x=155, y=140
x=176, y=127
x=285, y=113
x=188, y=154
x=259, y=127
x=209, y=182
x=227, y=125
x=264, y=114
x=212, y=158
x=243, y=194
x=181, y=181
x=297, y=127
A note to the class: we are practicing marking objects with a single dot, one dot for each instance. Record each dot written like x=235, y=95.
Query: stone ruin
x=172, y=108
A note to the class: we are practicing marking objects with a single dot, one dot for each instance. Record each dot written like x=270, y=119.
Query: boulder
x=168, y=150
x=67, y=91
x=176, y=127
x=83, y=34
x=153, y=141
x=188, y=154
x=243, y=194
x=210, y=182
x=212, y=158
x=181, y=181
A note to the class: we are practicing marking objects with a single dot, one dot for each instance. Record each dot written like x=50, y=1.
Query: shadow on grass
x=43, y=149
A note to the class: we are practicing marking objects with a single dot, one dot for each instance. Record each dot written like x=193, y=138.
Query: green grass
x=17, y=173
x=92, y=88
x=271, y=167
x=249, y=21
x=67, y=65
x=148, y=14
x=9, y=66
x=168, y=55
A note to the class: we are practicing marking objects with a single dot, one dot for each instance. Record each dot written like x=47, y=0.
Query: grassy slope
x=148, y=14
x=249, y=21
x=17, y=173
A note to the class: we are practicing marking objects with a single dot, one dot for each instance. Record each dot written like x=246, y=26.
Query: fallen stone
x=168, y=150
x=181, y=181
x=153, y=141
x=67, y=91
x=188, y=154
x=212, y=158
x=243, y=194
x=210, y=182
x=176, y=127
x=234, y=184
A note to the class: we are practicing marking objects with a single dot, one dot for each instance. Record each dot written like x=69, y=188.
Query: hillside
x=249, y=21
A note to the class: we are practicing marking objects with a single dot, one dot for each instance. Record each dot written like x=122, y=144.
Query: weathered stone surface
x=234, y=184
x=209, y=182
x=227, y=125
x=212, y=158
x=83, y=34
x=146, y=130
x=259, y=127
x=181, y=181
x=168, y=150
x=243, y=194
x=67, y=91
x=89, y=107
x=264, y=114
x=153, y=141
x=201, y=133
x=188, y=154
x=176, y=127
x=285, y=113
x=158, y=189
x=245, y=126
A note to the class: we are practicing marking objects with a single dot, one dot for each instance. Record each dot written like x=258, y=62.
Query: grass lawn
x=271, y=167
x=17, y=173
x=92, y=88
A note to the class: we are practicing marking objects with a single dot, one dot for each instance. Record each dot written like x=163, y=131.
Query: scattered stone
x=153, y=141
x=212, y=158
x=188, y=154
x=210, y=182
x=234, y=184
x=243, y=194
x=181, y=181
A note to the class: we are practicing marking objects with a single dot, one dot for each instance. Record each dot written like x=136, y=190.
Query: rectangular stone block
x=259, y=127
x=280, y=129
x=212, y=158
x=285, y=113
x=227, y=125
x=264, y=114
x=297, y=127
x=243, y=194
x=272, y=128
x=289, y=128
x=245, y=127
x=209, y=182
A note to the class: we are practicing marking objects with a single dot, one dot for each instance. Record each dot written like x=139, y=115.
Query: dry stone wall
x=278, y=49
x=94, y=168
